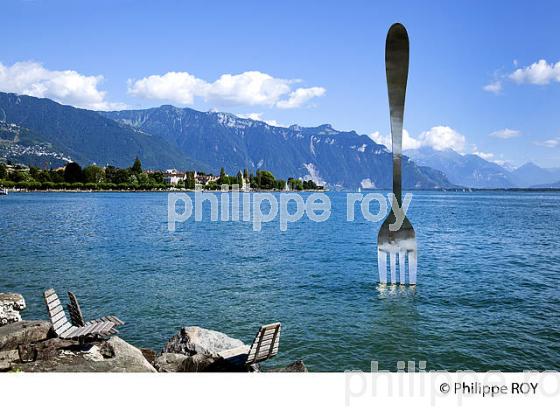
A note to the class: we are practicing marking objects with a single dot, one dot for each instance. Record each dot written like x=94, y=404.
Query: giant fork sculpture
x=390, y=240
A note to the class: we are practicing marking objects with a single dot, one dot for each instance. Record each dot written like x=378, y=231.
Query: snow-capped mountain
x=342, y=159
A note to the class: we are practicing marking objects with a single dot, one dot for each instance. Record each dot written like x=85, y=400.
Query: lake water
x=488, y=294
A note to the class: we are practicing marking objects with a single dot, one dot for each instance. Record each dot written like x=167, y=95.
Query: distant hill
x=465, y=170
x=552, y=185
x=328, y=156
x=171, y=137
x=473, y=171
x=531, y=174
x=85, y=136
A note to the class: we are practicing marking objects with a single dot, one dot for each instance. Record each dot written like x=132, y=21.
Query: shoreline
x=364, y=191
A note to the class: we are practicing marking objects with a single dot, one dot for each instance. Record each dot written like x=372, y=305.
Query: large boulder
x=24, y=332
x=295, y=367
x=8, y=358
x=194, y=340
x=170, y=362
x=114, y=355
x=10, y=306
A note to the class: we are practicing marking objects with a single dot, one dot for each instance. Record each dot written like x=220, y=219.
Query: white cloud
x=300, y=96
x=66, y=87
x=505, y=133
x=551, y=143
x=493, y=87
x=408, y=141
x=540, y=73
x=439, y=138
x=442, y=137
x=258, y=116
x=248, y=88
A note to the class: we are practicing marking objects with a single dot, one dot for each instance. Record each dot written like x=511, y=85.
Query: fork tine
x=402, y=254
x=393, y=260
x=382, y=266
x=412, y=267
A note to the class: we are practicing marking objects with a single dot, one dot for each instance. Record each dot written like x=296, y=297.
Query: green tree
x=239, y=180
x=73, y=173
x=20, y=176
x=122, y=176
x=34, y=172
x=56, y=176
x=94, y=174
x=280, y=184
x=223, y=177
x=3, y=171
x=190, y=181
x=265, y=180
x=136, y=167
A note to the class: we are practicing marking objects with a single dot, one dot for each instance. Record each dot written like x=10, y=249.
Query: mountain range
x=472, y=171
x=39, y=131
x=182, y=138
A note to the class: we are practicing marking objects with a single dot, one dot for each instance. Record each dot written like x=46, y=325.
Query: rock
x=10, y=306
x=149, y=354
x=114, y=355
x=295, y=367
x=44, y=350
x=27, y=331
x=193, y=340
x=170, y=362
x=8, y=358
x=203, y=363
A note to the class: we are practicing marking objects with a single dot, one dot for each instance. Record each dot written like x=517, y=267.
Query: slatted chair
x=64, y=329
x=77, y=318
x=264, y=346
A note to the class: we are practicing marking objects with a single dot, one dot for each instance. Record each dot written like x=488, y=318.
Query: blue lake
x=488, y=294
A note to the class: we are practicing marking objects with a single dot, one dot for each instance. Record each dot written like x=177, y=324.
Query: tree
x=239, y=179
x=94, y=174
x=136, y=167
x=223, y=177
x=265, y=180
x=73, y=172
x=3, y=171
x=280, y=184
x=246, y=174
x=190, y=181
x=34, y=172
x=122, y=176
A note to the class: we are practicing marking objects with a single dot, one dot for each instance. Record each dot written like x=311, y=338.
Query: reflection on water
x=484, y=300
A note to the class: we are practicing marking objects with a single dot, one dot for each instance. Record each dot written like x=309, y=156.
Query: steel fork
x=402, y=241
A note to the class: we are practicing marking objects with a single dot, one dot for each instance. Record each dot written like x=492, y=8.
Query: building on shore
x=173, y=177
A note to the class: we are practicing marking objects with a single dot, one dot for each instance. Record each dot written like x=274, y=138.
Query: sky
x=484, y=77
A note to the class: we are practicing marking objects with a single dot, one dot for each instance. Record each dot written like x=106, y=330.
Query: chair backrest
x=265, y=345
x=76, y=316
x=56, y=312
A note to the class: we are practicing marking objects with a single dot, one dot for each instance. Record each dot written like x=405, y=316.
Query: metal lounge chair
x=77, y=318
x=64, y=329
x=264, y=346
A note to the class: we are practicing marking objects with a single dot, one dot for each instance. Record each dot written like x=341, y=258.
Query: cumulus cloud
x=439, y=138
x=66, y=87
x=442, y=137
x=258, y=116
x=248, y=88
x=493, y=87
x=300, y=96
x=408, y=141
x=539, y=73
x=505, y=133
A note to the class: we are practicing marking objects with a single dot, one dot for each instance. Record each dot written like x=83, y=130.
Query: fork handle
x=396, y=68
